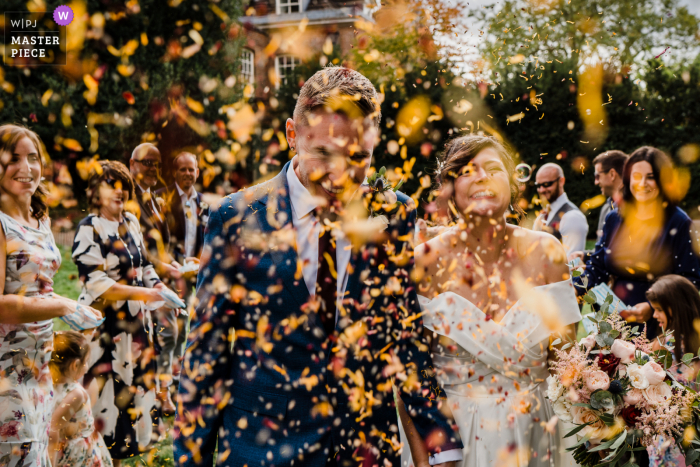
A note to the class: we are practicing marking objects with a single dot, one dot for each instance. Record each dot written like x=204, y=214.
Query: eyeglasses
x=545, y=184
x=150, y=163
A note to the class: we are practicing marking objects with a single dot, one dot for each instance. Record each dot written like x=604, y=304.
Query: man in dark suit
x=307, y=317
x=144, y=166
x=186, y=216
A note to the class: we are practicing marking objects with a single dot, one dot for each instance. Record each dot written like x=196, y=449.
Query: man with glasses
x=560, y=217
x=608, y=176
x=144, y=166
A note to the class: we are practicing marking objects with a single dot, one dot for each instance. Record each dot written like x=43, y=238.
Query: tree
x=622, y=32
x=137, y=71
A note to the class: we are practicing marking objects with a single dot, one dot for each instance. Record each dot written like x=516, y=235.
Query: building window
x=284, y=66
x=288, y=6
x=248, y=66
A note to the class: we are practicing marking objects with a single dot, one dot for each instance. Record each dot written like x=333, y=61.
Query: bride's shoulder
x=542, y=251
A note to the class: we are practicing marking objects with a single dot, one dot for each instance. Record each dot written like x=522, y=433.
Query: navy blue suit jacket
x=260, y=371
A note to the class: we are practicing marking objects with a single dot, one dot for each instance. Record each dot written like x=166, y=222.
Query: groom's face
x=334, y=152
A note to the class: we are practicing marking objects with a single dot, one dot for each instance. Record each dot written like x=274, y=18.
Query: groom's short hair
x=338, y=89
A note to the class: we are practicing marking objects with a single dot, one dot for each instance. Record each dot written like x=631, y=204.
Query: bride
x=492, y=294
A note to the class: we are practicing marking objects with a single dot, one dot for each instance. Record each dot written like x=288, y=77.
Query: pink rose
x=654, y=372
x=588, y=341
x=657, y=393
x=597, y=380
x=623, y=350
x=633, y=397
x=583, y=415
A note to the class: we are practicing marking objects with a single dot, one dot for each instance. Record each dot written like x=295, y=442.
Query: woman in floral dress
x=29, y=259
x=118, y=278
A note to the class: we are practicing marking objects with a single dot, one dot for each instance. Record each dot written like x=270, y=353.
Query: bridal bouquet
x=621, y=398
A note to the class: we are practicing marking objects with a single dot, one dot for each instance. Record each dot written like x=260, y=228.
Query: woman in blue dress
x=646, y=237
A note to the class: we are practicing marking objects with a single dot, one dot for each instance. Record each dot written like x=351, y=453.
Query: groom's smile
x=334, y=152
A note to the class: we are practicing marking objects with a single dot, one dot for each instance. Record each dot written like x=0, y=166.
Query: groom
x=303, y=329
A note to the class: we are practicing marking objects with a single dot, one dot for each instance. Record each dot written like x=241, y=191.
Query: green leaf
x=605, y=327
x=382, y=171
x=398, y=185
x=614, y=333
x=589, y=298
x=556, y=341
x=566, y=346
x=576, y=430
x=576, y=272
x=608, y=299
x=688, y=358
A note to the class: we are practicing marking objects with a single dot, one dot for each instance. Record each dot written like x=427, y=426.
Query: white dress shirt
x=573, y=225
x=308, y=230
x=189, y=207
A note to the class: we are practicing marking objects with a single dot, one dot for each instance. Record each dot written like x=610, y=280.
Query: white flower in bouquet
x=623, y=350
x=597, y=380
x=562, y=409
x=654, y=372
x=554, y=389
x=658, y=393
x=588, y=341
x=637, y=377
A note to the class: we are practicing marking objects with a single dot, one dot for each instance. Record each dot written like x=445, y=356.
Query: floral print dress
x=122, y=356
x=26, y=389
x=87, y=448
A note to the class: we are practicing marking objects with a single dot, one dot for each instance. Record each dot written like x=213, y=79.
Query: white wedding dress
x=495, y=376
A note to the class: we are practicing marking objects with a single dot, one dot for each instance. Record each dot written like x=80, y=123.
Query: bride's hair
x=461, y=150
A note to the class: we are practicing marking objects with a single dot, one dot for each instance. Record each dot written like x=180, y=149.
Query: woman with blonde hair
x=29, y=259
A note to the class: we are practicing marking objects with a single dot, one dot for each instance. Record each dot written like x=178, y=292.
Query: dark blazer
x=284, y=391
x=671, y=253
x=175, y=218
x=152, y=225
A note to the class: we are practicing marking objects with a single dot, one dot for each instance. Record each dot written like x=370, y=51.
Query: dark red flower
x=630, y=414
x=608, y=363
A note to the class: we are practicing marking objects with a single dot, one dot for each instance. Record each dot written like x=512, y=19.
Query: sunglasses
x=546, y=184
x=598, y=174
x=150, y=163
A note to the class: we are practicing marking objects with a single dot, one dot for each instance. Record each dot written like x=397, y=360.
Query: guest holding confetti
x=73, y=439
x=29, y=259
x=646, y=237
x=118, y=278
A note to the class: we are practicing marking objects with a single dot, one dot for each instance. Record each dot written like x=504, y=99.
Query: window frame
x=288, y=5
x=295, y=61
x=251, y=65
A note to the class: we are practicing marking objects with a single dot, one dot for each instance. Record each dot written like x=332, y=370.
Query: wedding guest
x=560, y=217
x=29, y=259
x=645, y=237
x=288, y=345
x=492, y=294
x=186, y=215
x=608, y=167
x=676, y=305
x=145, y=167
x=74, y=440
x=117, y=277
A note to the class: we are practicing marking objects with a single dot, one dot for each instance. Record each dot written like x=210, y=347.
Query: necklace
x=126, y=247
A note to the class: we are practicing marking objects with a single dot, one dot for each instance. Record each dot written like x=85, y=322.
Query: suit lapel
x=274, y=213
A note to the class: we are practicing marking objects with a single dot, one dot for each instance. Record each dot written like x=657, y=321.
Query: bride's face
x=482, y=187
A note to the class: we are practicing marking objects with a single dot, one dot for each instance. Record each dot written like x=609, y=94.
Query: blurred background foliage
x=138, y=70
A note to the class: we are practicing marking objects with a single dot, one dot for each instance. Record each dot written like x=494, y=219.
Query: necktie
x=327, y=280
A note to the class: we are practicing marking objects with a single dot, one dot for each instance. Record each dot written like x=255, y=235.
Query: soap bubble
x=523, y=172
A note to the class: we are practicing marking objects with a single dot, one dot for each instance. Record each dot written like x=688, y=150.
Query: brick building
x=281, y=33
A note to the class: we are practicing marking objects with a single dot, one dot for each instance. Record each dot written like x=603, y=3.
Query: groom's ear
x=291, y=134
